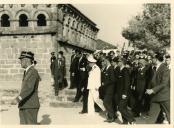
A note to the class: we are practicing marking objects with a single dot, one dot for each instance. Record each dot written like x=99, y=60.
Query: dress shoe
x=75, y=100
x=110, y=120
x=131, y=123
x=71, y=87
x=82, y=112
x=97, y=110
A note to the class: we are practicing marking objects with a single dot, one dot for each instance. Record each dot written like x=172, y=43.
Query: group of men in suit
x=58, y=71
x=78, y=73
x=116, y=84
x=131, y=84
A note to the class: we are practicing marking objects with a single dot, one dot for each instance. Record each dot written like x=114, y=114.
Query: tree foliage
x=151, y=29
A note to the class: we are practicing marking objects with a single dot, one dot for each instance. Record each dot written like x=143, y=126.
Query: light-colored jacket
x=94, y=79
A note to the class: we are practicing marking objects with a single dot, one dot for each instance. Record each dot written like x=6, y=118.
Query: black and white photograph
x=85, y=64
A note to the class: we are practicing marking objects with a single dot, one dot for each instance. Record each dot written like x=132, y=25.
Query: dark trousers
x=85, y=100
x=82, y=81
x=28, y=116
x=147, y=99
x=56, y=86
x=155, y=108
x=108, y=101
x=72, y=81
x=138, y=108
x=115, y=102
x=126, y=114
x=160, y=118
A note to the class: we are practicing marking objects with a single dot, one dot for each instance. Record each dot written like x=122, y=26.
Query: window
x=41, y=20
x=5, y=20
x=73, y=24
x=23, y=20
x=69, y=20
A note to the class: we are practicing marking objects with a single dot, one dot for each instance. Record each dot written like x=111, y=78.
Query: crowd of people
x=127, y=84
x=122, y=85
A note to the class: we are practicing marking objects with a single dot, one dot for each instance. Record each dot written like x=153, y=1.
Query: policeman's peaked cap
x=91, y=59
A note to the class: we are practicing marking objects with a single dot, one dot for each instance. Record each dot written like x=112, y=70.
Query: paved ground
x=48, y=114
x=57, y=116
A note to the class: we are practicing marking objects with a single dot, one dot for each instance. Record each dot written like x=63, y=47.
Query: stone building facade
x=41, y=29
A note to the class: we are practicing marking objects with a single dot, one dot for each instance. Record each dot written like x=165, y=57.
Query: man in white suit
x=94, y=82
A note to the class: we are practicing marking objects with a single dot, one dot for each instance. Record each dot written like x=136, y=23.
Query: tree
x=151, y=29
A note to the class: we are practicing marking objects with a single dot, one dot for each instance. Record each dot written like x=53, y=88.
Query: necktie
x=59, y=62
x=24, y=74
x=154, y=68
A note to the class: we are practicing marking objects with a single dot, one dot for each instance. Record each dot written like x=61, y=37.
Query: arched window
x=5, y=20
x=41, y=20
x=23, y=20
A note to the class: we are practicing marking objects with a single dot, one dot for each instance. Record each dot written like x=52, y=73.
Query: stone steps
x=46, y=96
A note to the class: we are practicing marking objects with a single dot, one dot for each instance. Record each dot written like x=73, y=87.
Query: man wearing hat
x=28, y=100
x=94, y=82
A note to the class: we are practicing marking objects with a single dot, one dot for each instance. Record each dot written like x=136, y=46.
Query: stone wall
x=64, y=23
x=10, y=48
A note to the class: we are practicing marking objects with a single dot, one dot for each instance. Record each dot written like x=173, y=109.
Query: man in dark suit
x=52, y=59
x=28, y=100
x=159, y=91
x=85, y=92
x=151, y=69
x=114, y=63
x=65, y=83
x=139, y=87
x=72, y=85
x=109, y=83
x=74, y=70
x=123, y=89
x=82, y=64
x=58, y=73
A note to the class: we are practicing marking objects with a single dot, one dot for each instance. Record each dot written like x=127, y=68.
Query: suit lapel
x=159, y=69
x=28, y=71
x=158, y=72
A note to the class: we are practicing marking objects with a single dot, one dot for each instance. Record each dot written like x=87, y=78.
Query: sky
x=110, y=19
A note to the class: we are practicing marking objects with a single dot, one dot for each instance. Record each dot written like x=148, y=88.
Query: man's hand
x=124, y=96
x=82, y=69
x=72, y=74
x=82, y=89
x=149, y=91
x=14, y=102
x=133, y=87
